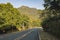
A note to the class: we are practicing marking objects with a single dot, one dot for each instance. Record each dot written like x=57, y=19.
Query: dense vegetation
x=33, y=15
x=13, y=19
x=51, y=22
x=10, y=18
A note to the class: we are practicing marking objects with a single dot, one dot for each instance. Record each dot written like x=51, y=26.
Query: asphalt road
x=31, y=34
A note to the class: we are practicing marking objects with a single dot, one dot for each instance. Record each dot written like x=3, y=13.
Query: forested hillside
x=29, y=11
x=17, y=18
x=32, y=13
x=10, y=18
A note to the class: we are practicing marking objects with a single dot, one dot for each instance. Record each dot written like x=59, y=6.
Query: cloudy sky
x=30, y=3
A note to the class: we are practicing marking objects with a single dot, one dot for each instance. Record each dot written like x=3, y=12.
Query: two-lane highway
x=31, y=34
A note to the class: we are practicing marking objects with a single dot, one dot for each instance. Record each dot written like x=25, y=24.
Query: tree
x=9, y=16
x=51, y=22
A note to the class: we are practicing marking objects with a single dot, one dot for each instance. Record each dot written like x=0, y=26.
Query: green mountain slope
x=31, y=12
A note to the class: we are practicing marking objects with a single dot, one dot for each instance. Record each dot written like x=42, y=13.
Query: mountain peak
x=24, y=7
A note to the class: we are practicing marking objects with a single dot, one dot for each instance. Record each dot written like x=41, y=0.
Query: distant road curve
x=31, y=34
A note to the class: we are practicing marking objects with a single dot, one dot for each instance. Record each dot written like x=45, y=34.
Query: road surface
x=31, y=34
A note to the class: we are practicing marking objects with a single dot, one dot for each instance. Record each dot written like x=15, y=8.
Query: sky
x=30, y=3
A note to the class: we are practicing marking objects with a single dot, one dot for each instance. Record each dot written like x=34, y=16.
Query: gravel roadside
x=47, y=36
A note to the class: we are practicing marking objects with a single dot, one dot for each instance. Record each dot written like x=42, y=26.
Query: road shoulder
x=46, y=36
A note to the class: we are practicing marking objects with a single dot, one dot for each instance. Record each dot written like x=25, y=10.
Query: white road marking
x=23, y=35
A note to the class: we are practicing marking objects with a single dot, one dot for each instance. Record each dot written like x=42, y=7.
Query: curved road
x=31, y=34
